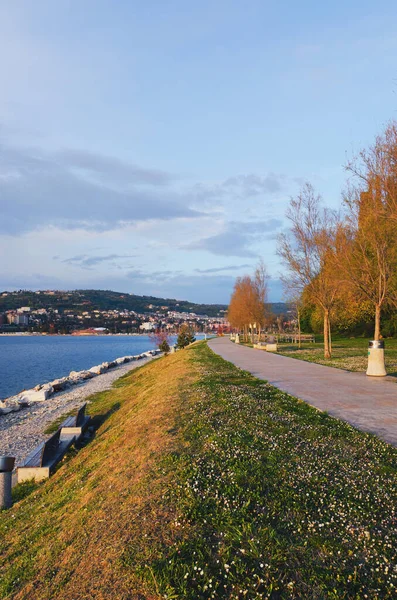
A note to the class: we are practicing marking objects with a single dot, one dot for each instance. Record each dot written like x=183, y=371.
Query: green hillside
x=83, y=300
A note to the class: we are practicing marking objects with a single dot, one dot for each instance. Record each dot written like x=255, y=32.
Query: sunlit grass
x=350, y=354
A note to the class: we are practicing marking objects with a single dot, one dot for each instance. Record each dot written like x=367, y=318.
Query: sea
x=26, y=361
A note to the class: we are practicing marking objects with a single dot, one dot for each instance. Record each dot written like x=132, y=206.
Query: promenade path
x=368, y=403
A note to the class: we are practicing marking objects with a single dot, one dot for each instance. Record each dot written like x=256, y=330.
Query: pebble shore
x=21, y=431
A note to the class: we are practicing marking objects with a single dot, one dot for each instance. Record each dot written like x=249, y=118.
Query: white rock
x=34, y=396
x=78, y=376
x=47, y=388
x=97, y=370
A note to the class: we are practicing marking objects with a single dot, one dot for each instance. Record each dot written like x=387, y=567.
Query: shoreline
x=21, y=431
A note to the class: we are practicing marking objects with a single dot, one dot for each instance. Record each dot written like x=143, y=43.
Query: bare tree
x=293, y=297
x=307, y=251
x=375, y=169
x=260, y=283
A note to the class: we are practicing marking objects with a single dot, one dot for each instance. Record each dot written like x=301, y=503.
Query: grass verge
x=350, y=354
x=208, y=483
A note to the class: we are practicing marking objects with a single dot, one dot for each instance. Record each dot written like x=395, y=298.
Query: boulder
x=97, y=370
x=5, y=411
x=35, y=396
x=60, y=384
x=47, y=388
x=79, y=376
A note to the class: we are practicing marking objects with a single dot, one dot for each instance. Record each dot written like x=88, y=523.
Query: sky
x=153, y=147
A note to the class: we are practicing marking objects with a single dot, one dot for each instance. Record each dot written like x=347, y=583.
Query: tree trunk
x=329, y=337
x=377, y=322
x=327, y=353
x=299, y=329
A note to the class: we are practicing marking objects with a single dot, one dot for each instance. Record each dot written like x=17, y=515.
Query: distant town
x=58, y=312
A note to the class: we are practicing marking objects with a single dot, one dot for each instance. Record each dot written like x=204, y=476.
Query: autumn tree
x=366, y=249
x=241, y=304
x=367, y=240
x=306, y=253
x=248, y=302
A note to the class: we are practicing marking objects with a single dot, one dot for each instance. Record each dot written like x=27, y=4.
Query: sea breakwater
x=41, y=392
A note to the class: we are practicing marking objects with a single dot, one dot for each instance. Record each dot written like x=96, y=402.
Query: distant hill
x=83, y=300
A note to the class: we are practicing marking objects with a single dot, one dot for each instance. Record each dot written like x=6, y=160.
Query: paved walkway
x=368, y=403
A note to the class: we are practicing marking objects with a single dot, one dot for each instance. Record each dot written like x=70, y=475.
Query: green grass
x=209, y=483
x=347, y=353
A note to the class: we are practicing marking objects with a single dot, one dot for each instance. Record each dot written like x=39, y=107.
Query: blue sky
x=152, y=147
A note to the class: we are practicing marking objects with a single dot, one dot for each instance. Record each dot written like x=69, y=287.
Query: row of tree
x=346, y=260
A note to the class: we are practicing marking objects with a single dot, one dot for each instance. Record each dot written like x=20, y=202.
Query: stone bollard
x=237, y=340
x=6, y=467
x=376, y=359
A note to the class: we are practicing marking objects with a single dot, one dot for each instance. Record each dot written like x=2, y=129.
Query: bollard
x=237, y=340
x=376, y=359
x=6, y=467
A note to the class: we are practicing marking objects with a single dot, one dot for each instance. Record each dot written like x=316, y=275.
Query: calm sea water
x=28, y=361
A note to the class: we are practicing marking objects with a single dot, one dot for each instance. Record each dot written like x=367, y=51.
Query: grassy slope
x=208, y=483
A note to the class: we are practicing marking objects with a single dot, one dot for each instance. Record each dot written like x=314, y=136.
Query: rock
x=47, y=388
x=34, y=395
x=113, y=364
x=79, y=376
x=97, y=370
x=120, y=361
x=38, y=387
x=60, y=384
x=23, y=404
x=5, y=411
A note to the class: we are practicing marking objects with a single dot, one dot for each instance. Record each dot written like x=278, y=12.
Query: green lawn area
x=347, y=353
x=205, y=482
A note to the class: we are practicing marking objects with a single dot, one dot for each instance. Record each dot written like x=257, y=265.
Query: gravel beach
x=21, y=431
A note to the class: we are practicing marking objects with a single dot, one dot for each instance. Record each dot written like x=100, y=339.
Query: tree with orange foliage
x=367, y=241
x=248, y=302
